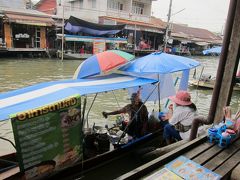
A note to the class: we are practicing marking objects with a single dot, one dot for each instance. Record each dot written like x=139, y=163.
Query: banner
x=99, y=46
x=48, y=139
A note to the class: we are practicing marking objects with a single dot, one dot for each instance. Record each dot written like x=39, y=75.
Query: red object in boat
x=230, y=131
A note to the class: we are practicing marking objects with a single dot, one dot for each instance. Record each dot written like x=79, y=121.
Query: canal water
x=18, y=73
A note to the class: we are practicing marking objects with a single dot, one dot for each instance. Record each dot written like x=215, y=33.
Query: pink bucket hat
x=182, y=98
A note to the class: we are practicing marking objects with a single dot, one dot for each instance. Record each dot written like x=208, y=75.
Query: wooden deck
x=219, y=160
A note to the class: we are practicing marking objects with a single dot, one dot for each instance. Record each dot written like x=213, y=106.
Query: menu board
x=99, y=46
x=188, y=169
x=48, y=138
x=163, y=174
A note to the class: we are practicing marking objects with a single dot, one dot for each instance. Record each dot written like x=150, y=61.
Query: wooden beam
x=222, y=61
x=231, y=63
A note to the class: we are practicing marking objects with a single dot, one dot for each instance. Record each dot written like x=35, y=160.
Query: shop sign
x=48, y=139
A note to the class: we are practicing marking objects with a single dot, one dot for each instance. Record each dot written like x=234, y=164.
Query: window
x=121, y=7
x=114, y=4
x=81, y=3
x=73, y=3
x=94, y=4
x=137, y=7
x=37, y=38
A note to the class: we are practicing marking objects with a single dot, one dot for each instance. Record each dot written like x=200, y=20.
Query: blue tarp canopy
x=75, y=25
x=214, y=50
x=49, y=92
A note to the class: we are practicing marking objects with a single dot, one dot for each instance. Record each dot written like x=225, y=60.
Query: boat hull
x=208, y=84
x=96, y=163
x=73, y=56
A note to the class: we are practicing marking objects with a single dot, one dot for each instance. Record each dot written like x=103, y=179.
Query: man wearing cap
x=182, y=117
x=138, y=114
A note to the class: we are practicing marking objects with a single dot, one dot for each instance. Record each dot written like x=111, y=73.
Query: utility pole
x=168, y=24
x=135, y=26
x=135, y=39
x=62, y=28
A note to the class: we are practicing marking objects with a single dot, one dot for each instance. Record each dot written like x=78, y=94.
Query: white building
x=90, y=10
x=136, y=14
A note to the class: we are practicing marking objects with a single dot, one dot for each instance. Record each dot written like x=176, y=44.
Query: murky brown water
x=16, y=73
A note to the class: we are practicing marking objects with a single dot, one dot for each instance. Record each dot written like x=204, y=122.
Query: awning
x=72, y=38
x=78, y=25
x=49, y=92
x=30, y=20
x=144, y=28
x=202, y=43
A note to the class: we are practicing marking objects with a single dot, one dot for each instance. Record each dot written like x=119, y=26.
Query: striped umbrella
x=101, y=63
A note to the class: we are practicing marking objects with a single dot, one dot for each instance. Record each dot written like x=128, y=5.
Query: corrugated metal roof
x=153, y=25
x=158, y=22
x=126, y=21
x=23, y=11
x=12, y=4
x=195, y=34
x=32, y=20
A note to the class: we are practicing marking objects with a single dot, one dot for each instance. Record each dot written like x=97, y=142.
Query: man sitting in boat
x=138, y=113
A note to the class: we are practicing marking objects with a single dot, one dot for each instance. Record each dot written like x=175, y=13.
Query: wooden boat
x=73, y=56
x=92, y=45
x=92, y=156
x=208, y=84
x=140, y=52
x=47, y=97
x=10, y=169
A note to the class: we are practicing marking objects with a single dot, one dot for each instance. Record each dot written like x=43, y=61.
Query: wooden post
x=135, y=40
x=222, y=61
x=229, y=69
x=62, y=31
x=8, y=35
x=43, y=42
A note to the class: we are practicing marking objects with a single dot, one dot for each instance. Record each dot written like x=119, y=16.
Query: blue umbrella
x=161, y=63
x=216, y=50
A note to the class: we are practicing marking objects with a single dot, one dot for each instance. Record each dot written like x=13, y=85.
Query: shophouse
x=135, y=13
x=190, y=40
x=23, y=31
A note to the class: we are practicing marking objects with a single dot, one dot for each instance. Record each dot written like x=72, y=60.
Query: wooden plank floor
x=219, y=160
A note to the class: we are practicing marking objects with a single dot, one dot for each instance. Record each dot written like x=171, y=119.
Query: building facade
x=140, y=25
x=23, y=30
x=136, y=14
x=90, y=10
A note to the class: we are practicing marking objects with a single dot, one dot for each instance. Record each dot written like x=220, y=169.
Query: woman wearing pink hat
x=182, y=117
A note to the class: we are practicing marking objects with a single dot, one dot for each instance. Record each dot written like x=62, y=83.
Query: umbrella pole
x=91, y=107
x=200, y=77
x=62, y=31
x=175, y=83
x=159, y=105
